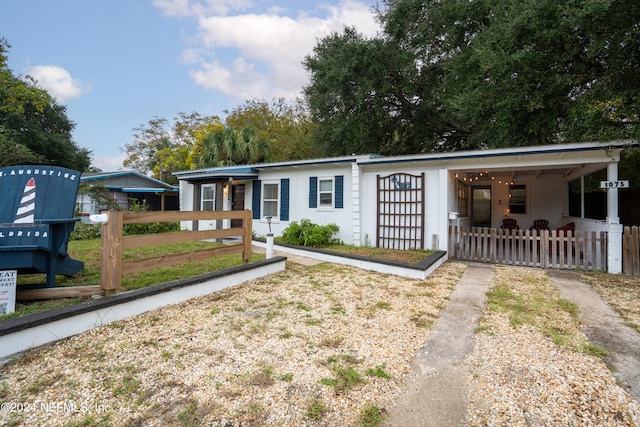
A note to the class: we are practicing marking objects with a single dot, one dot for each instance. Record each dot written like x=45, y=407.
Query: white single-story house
x=410, y=201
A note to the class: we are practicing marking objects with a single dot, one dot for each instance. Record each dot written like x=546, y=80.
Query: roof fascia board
x=242, y=171
x=519, y=152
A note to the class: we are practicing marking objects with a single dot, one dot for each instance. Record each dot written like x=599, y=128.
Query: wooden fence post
x=247, y=236
x=111, y=260
x=635, y=250
x=631, y=251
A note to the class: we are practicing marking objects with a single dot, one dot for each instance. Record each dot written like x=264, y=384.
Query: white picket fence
x=532, y=248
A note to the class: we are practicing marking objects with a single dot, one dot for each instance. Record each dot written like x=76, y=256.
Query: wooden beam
x=59, y=292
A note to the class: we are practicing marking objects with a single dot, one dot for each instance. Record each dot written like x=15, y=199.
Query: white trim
x=332, y=191
x=277, y=199
x=355, y=202
x=202, y=198
x=396, y=270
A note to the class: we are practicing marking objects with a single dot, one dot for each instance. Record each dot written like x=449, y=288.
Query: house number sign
x=614, y=184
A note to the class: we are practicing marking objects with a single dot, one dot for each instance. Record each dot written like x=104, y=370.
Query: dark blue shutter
x=284, y=197
x=255, y=198
x=339, y=183
x=313, y=192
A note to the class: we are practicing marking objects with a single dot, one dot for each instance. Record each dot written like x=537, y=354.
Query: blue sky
x=116, y=64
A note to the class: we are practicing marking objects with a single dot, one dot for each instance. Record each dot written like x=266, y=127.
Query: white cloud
x=58, y=82
x=108, y=164
x=259, y=55
x=240, y=80
x=195, y=8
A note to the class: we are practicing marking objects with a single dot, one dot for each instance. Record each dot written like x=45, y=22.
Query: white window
x=208, y=197
x=325, y=192
x=270, y=199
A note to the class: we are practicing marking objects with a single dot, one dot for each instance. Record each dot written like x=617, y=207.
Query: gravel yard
x=321, y=345
x=523, y=378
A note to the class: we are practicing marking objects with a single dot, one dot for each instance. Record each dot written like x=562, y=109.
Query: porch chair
x=562, y=232
x=540, y=225
x=510, y=224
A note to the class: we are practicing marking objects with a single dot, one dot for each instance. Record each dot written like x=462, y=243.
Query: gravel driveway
x=313, y=345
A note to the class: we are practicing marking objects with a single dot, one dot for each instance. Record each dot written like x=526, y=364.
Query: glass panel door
x=481, y=207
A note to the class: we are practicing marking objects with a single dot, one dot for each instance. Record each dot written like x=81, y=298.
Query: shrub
x=306, y=233
x=85, y=231
x=151, y=228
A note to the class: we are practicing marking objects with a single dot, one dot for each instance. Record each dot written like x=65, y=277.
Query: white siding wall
x=357, y=219
x=186, y=202
x=436, y=203
x=544, y=195
x=368, y=207
x=299, y=200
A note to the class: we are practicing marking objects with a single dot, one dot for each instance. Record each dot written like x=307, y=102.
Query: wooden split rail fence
x=532, y=248
x=114, y=243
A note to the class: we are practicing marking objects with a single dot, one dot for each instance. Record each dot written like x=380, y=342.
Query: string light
x=472, y=177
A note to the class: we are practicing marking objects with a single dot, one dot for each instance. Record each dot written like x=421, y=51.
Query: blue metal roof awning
x=147, y=190
x=221, y=173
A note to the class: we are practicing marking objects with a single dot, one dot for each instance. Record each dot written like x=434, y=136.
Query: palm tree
x=228, y=147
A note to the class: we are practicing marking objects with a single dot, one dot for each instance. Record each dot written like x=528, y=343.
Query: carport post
x=614, y=246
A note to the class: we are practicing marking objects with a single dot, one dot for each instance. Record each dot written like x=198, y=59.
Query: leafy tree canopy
x=33, y=127
x=162, y=147
x=452, y=75
x=286, y=126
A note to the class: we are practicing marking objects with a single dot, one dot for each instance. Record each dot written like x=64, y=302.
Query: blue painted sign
x=31, y=194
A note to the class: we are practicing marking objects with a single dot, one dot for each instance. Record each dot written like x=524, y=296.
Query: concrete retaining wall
x=34, y=330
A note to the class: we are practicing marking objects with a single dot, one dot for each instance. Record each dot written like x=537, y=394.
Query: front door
x=237, y=203
x=481, y=207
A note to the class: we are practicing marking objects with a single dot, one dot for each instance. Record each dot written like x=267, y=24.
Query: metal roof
x=552, y=154
x=105, y=176
x=503, y=152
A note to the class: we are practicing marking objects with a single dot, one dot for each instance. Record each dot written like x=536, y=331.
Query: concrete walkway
x=436, y=391
x=290, y=257
x=437, y=388
x=604, y=327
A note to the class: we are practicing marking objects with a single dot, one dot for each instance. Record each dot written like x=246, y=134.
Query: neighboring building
x=127, y=188
x=410, y=201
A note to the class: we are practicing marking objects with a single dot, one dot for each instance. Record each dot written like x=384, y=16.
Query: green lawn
x=88, y=251
x=412, y=256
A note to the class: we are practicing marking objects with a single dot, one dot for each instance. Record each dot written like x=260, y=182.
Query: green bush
x=88, y=231
x=151, y=228
x=306, y=233
x=85, y=231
